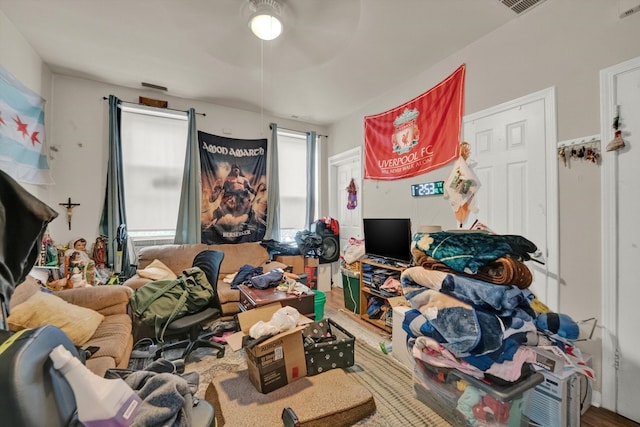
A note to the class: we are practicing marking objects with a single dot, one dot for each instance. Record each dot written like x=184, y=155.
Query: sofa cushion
x=157, y=271
x=112, y=337
x=176, y=257
x=42, y=308
x=179, y=257
x=106, y=300
x=235, y=256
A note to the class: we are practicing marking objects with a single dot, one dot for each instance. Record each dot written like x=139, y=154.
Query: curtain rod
x=137, y=103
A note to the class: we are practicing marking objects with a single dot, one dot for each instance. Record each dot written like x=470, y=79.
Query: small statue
x=79, y=268
x=99, y=252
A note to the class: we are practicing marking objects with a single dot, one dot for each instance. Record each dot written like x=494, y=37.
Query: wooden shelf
x=366, y=292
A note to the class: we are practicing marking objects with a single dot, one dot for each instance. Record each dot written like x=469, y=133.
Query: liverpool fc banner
x=416, y=137
x=234, y=189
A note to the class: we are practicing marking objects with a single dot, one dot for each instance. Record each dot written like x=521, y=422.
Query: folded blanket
x=502, y=271
x=465, y=315
x=467, y=252
x=501, y=300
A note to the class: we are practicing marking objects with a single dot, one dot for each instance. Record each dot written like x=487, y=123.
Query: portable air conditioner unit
x=555, y=402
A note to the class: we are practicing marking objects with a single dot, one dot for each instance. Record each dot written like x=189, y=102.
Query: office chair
x=193, y=325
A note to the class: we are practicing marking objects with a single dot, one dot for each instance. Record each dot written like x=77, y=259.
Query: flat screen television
x=388, y=238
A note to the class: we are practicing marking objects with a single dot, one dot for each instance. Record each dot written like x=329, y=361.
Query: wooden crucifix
x=69, y=207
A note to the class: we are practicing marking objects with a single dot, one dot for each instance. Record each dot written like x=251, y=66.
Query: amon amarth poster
x=418, y=136
x=234, y=189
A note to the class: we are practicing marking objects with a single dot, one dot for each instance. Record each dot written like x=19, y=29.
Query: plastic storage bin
x=351, y=290
x=463, y=400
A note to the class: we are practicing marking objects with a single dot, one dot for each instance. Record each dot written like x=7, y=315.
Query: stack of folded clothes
x=472, y=309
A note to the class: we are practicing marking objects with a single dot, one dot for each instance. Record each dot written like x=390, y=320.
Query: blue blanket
x=467, y=316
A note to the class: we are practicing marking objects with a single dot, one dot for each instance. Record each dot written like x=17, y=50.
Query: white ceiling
x=334, y=57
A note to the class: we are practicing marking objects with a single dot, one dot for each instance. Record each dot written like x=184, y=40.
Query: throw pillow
x=157, y=271
x=78, y=323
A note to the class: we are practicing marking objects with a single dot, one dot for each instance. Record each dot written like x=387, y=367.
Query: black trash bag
x=309, y=243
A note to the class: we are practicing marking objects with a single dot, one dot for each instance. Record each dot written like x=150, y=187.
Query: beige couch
x=180, y=257
x=110, y=331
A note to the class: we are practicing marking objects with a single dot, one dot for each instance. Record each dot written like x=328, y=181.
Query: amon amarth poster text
x=234, y=189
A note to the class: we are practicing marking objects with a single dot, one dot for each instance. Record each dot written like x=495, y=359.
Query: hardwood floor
x=594, y=417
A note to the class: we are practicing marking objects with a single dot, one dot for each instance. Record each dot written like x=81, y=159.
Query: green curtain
x=273, y=184
x=114, y=219
x=311, y=177
x=188, y=227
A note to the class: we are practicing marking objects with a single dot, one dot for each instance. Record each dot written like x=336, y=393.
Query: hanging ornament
x=461, y=186
x=352, y=198
x=465, y=150
x=617, y=142
x=562, y=155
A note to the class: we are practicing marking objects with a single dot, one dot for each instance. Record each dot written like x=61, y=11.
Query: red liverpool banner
x=416, y=137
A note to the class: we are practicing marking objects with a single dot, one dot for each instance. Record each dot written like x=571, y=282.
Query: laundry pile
x=472, y=309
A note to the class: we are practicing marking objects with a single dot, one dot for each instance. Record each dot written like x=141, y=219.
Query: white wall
x=80, y=135
x=18, y=57
x=561, y=43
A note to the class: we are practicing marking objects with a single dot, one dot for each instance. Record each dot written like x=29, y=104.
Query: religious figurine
x=79, y=268
x=100, y=252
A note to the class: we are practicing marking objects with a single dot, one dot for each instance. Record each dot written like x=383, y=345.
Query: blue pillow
x=558, y=323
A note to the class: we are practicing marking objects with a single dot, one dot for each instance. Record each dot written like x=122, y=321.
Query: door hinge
x=616, y=360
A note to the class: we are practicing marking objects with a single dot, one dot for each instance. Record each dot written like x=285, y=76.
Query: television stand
x=368, y=290
x=388, y=262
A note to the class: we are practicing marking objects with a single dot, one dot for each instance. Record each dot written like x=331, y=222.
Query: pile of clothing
x=472, y=309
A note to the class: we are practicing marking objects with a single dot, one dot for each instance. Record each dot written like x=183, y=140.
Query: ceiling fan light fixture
x=265, y=20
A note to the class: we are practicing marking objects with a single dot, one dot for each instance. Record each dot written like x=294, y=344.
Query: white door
x=342, y=168
x=510, y=145
x=620, y=91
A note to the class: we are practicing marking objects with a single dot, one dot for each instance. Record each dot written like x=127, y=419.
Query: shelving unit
x=366, y=291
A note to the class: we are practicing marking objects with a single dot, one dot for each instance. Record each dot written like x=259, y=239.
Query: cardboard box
x=298, y=262
x=311, y=262
x=401, y=351
x=276, y=361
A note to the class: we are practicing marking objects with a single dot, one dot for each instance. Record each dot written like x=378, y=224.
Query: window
x=293, y=177
x=154, y=144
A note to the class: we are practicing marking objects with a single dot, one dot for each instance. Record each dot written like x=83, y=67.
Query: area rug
x=392, y=387
x=390, y=383
x=332, y=398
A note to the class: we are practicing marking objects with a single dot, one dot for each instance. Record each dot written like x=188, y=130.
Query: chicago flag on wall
x=234, y=189
x=22, y=153
x=416, y=137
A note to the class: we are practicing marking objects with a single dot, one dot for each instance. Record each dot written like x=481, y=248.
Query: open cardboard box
x=276, y=361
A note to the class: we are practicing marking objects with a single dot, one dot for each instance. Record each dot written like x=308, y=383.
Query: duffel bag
x=159, y=303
